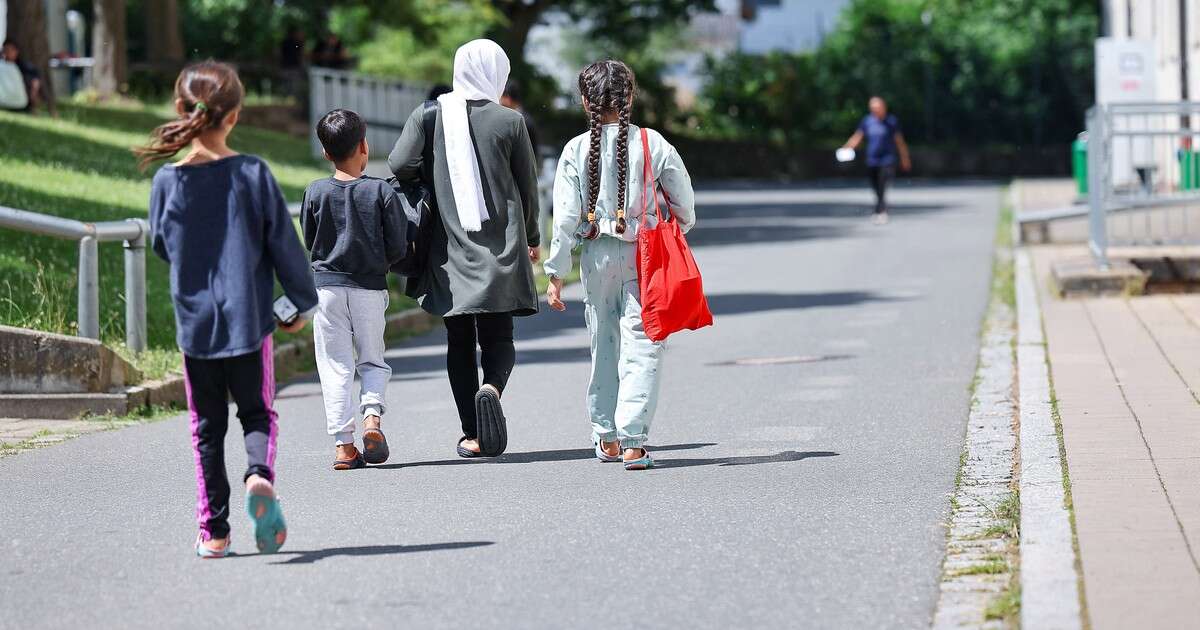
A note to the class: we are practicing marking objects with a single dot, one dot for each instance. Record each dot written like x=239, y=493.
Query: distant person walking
x=885, y=149
x=220, y=221
x=485, y=235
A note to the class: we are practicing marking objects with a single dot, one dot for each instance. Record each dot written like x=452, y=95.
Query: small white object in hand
x=845, y=154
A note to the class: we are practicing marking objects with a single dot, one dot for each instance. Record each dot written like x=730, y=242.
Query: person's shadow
x=745, y=460
x=556, y=455
x=560, y=455
x=309, y=557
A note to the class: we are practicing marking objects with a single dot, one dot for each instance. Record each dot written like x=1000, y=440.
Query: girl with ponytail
x=220, y=221
x=599, y=193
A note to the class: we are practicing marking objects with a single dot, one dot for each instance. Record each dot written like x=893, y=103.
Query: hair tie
x=201, y=106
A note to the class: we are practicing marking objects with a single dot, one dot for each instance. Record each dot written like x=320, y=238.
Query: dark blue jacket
x=224, y=228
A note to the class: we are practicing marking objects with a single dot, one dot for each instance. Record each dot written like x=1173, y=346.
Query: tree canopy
x=955, y=71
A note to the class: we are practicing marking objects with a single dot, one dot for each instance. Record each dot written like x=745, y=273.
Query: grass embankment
x=79, y=166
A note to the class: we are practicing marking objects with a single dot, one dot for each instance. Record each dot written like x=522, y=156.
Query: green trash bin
x=1079, y=162
x=1189, y=169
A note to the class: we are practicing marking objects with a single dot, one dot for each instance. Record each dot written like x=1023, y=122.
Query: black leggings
x=250, y=380
x=881, y=178
x=495, y=338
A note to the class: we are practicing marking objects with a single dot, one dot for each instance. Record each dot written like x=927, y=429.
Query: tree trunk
x=27, y=27
x=521, y=18
x=108, y=47
x=164, y=41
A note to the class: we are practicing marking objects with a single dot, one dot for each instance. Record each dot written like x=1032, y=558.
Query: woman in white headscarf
x=485, y=234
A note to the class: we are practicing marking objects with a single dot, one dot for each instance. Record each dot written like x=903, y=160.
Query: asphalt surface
x=807, y=490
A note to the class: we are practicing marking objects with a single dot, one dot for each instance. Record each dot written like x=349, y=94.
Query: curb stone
x=986, y=480
x=1049, y=582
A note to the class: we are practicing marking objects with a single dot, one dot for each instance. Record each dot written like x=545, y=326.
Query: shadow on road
x=547, y=324
x=309, y=557
x=557, y=455
x=785, y=456
x=748, y=223
x=735, y=303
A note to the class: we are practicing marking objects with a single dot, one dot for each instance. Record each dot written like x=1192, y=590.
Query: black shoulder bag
x=419, y=203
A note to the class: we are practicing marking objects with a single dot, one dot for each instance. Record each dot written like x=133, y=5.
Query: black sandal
x=489, y=422
x=466, y=452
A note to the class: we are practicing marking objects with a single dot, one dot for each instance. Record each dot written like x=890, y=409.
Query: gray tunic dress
x=488, y=271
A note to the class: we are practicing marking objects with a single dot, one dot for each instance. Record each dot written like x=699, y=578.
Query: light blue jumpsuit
x=626, y=365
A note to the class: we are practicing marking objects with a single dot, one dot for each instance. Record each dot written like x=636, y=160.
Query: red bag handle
x=648, y=180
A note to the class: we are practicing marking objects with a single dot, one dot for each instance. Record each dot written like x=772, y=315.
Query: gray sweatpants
x=348, y=331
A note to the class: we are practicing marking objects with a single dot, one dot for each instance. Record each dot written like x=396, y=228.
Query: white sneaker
x=880, y=218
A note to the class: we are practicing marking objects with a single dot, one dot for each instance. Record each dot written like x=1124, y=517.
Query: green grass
x=990, y=566
x=1009, y=512
x=1003, y=273
x=79, y=166
x=154, y=363
x=1007, y=606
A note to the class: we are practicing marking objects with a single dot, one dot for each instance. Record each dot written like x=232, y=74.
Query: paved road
x=806, y=494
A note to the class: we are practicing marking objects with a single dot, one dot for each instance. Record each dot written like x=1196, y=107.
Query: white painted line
x=1049, y=584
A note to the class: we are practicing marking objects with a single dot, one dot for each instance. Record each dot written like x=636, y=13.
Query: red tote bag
x=669, y=280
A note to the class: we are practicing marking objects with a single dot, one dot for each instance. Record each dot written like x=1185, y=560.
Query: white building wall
x=1158, y=21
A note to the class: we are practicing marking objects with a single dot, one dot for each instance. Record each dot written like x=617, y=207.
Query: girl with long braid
x=598, y=199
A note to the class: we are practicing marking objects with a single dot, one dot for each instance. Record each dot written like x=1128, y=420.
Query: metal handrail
x=1136, y=161
x=133, y=232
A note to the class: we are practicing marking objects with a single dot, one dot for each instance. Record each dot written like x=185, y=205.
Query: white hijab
x=480, y=72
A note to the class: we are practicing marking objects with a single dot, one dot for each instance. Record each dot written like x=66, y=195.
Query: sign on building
x=1125, y=71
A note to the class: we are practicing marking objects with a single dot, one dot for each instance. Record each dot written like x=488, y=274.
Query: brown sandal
x=353, y=463
x=375, y=446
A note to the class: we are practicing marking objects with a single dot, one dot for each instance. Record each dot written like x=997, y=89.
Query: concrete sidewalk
x=1126, y=375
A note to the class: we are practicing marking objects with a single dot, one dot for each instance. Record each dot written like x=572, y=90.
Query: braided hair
x=607, y=87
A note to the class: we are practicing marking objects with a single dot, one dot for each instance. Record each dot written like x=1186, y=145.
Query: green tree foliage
x=622, y=28
x=237, y=29
x=761, y=96
x=956, y=72
x=421, y=49
x=625, y=22
x=649, y=59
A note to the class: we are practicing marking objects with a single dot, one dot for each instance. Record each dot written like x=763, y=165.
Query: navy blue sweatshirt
x=355, y=229
x=224, y=228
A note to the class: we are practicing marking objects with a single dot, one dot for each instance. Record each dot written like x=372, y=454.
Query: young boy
x=355, y=228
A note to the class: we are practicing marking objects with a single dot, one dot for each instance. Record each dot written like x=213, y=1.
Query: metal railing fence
x=1143, y=175
x=133, y=232
x=384, y=105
